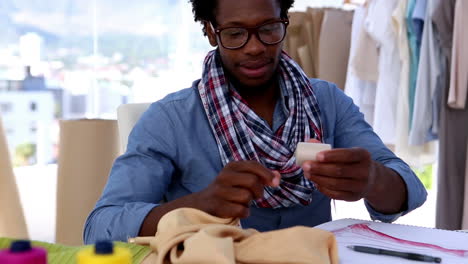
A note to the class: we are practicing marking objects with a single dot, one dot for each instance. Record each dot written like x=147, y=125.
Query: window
x=93, y=55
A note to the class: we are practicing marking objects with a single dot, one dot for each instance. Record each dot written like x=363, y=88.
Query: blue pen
x=405, y=255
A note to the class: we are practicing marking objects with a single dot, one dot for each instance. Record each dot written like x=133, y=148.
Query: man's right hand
x=228, y=196
x=240, y=182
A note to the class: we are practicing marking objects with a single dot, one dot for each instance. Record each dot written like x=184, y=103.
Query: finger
x=338, y=184
x=277, y=179
x=339, y=195
x=233, y=210
x=244, y=180
x=238, y=195
x=349, y=155
x=326, y=169
x=265, y=175
x=313, y=140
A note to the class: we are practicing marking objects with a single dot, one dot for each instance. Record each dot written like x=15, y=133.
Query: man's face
x=255, y=63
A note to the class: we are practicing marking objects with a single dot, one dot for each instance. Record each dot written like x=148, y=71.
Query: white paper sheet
x=451, y=246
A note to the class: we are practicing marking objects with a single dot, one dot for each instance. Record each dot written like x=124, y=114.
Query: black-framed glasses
x=269, y=33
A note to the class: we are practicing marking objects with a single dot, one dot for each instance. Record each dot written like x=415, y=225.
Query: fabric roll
x=334, y=46
x=87, y=150
x=316, y=14
x=305, y=52
x=188, y=235
x=294, y=38
x=297, y=35
x=299, y=42
x=12, y=222
x=305, y=61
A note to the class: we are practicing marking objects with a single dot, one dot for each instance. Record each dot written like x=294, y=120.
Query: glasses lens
x=272, y=33
x=234, y=37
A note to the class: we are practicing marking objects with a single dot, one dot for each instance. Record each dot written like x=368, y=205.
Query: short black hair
x=203, y=10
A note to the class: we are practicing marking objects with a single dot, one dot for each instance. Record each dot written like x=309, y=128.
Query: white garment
x=379, y=26
x=362, y=92
x=429, y=74
x=365, y=62
x=459, y=68
x=413, y=155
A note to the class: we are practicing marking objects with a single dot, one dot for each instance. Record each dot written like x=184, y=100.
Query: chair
x=127, y=116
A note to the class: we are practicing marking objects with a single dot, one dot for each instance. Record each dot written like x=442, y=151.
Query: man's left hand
x=342, y=174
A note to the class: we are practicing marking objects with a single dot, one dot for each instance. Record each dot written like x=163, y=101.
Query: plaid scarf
x=243, y=135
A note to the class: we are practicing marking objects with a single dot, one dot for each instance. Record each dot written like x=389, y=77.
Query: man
x=225, y=146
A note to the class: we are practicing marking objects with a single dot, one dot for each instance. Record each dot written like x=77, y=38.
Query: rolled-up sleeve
x=137, y=182
x=351, y=130
x=416, y=192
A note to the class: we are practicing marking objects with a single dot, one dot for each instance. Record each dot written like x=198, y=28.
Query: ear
x=210, y=34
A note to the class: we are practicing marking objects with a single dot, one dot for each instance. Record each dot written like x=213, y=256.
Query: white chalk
x=308, y=151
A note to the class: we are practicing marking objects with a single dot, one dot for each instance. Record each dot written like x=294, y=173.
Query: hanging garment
x=379, y=26
x=459, y=67
x=334, y=45
x=413, y=155
x=418, y=17
x=453, y=134
x=414, y=53
x=365, y=61
x=429, y=77
x=356, y=88
x=442, y=20
x=415, y=17
x=465, y=201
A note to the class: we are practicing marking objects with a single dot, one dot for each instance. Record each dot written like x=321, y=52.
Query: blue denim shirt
x=172, y=152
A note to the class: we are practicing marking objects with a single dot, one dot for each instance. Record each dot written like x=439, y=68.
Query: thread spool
x=104, y=252
x=308, y=151
x=21, y=252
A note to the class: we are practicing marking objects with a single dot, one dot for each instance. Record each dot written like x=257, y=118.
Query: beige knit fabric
x=191, y=236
